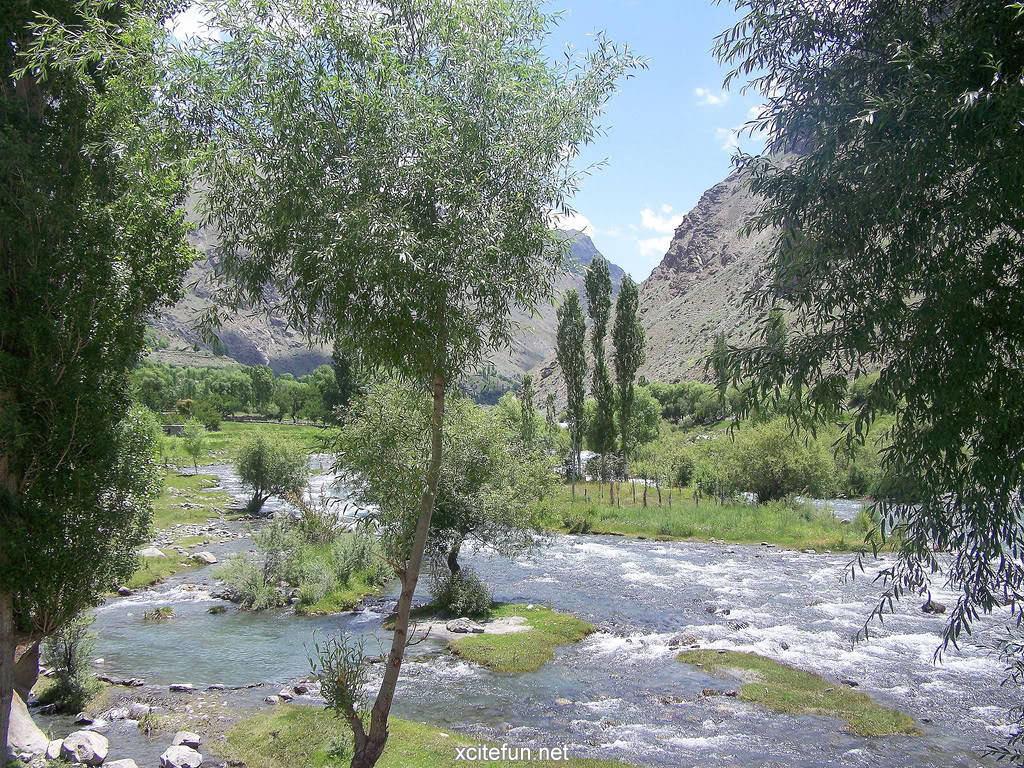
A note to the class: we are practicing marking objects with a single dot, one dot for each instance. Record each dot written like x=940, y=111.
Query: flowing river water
x=619, y=693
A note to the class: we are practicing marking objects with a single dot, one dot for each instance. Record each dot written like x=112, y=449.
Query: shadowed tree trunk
x=8, y=646
x=453, y=556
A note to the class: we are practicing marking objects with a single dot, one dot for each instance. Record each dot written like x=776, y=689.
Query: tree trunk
x=453, y=557
x=632, y=484
x=657, y=486
x=370, y=746
x=645, y=494
x=8, y=648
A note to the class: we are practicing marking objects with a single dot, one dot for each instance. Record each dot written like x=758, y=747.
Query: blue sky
x=671, y=130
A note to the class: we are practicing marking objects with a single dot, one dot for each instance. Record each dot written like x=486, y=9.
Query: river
x=620, y=693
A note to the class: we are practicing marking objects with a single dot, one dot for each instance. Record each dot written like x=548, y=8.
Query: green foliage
x=271, y=467
x=68, y=653
x=194, y=440
x=906, y=266
x=262, y=386
x=527, y=412
x=630, y=354
x=160, y=613
x=338, y=664
x=460, y=594
x=600, y=426
x=207, y=414
x=578, y=521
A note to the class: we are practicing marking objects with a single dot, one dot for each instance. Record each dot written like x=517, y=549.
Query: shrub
x=207, y=414
x=461, y=594
x=771, y=461
x=158, y=614
x=577, y=522
x=67, y=653
x=683, y=465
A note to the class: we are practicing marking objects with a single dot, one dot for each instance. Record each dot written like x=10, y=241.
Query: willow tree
x=387, y=175
x=90, y=242
x=890, y=179
x=570, y=344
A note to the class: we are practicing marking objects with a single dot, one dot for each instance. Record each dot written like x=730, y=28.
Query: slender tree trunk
x=8, y=649
x=645, y=494
x=632, y=484
x=657, y=487
x=370, y=746
x=453, y=557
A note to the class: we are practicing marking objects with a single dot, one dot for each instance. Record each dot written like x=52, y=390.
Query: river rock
x=180, y=687
x=137, y=710
x=680, y=640
x=186, y=738
x=285, y=695
x=272, y=700
x=463, y=626
x=126, y=763
x=124, y=591
x=738, y=625
x=300, y=689
x=118, y=713
x=82, y=719
x=150, y=552
x=23, y=735
x=205, y=557
x=932, y=606
x=180, y=756
x=86, y=747
x=53, y=749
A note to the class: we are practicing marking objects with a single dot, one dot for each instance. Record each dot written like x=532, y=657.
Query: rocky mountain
x=254, y=339
x=697, y=290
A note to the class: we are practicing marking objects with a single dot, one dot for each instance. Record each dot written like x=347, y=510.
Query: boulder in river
x=180, y=687
x=205, y=557
x=300, y=689
x=124, y=591
x=180, y=756
x=186, y=738
x=23, y=735
x=150, y=552
x=931, y=606
x=464, y=625
x=137, y=710
x=53, y=749
x=86, y=747
x=285, y=695
x=273, y=700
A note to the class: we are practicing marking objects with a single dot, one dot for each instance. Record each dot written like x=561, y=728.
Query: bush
x=771, y=461
x=577, y=522
x=461, y=594
x=207, y=414
x=67, y=653
x=683, y=466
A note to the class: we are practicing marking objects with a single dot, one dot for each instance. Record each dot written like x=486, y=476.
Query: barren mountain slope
x=253, y=339
x=697, y=289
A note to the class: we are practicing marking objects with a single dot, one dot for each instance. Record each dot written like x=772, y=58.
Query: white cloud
x=664, y=224
x=575, y=221
x=192, y=22
x=653, y=246
x=728, y=137
x=666, y=208
x=612, y=232
x=708, y=98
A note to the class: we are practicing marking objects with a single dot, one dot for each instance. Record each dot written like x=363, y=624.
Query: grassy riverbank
x=784, y=689
x=222, y=443
x=293, y=736
x=525, y=651
x=795, y=526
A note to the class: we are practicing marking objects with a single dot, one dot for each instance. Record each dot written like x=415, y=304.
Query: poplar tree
x=630, y=353
x=390, y=178
x=572, y=359
x=598, y=284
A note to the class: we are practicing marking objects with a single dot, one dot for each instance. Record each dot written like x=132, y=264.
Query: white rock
x=137, y=710
x=180, y=687
x=53, y=749
x=126, y=763
x=205, y=557
x=186, y=738
x=180, y=757
x=285, y=694
x=464, y=625
x=23, y=735
x=150, y=552
x=272, y=700
x=86, y=747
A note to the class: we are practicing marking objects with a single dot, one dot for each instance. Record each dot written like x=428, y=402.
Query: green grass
x=100, y=696
x=153, y=570
x=222, y=444
x=293, y=736
x=519, y=652
x=341, y=598
x=776, y=523
x=782, y=688
x=188, y=489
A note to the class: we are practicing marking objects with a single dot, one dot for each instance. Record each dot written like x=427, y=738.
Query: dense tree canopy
x=891, y=177
x=91, y=240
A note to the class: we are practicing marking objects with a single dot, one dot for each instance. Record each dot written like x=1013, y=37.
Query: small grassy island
x=782, y=688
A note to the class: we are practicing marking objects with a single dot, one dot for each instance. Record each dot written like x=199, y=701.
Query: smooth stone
x=86, y=747
x=83, y=719
x=285, y=695
x=186, y=738
x=53, y=749
x=300, y=689
x=124, y=591
x=23, y=735
x=180, y=687
x=150, y=552
x=272, y=700
x=205, y=557
x=464, y=626
x=180, y=757
x=126, y=763
x=138, y=710
x=931, y=606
